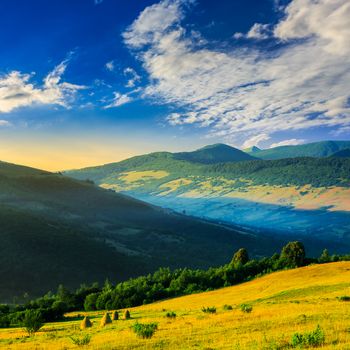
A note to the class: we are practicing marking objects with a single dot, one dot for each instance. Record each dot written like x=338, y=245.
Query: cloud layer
x=243, y=92
x=16, y=90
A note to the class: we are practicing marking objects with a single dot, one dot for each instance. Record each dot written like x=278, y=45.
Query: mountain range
x=305, y=196
x=315, y=149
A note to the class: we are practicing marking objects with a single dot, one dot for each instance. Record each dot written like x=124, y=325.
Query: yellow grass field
x=283, y=303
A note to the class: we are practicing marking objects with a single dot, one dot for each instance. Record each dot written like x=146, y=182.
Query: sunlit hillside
x=307, y=197
x=283, y=303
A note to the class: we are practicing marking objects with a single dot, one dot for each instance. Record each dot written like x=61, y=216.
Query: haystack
x=126, y=315
x=115, y=315
x=106, y=319
x=85, y=323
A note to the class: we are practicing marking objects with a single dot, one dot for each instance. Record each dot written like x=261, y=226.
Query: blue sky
x=84, y=82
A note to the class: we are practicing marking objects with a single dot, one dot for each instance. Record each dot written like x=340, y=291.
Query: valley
x=55, y=229
x=305, y=197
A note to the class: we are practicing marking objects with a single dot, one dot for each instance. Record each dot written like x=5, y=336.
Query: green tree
x=32, y=321
x=293, y=254
x=325, y=257
x=90, y=302
x=241, y=257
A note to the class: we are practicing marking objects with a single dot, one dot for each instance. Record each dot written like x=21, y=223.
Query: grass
x=312, y=317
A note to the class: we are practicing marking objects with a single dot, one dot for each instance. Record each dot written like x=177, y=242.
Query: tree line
x=162, y=284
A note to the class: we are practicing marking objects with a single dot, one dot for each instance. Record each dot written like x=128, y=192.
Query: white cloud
x=238, y=35
x=133, y=77
x=259, y=31
x=4, y=123
x=110, y=66
x=16, y=90
x=327, y=20
x=291, y=142
x=152, y=22
x=255, y=140
x=242, y=93
x=119, y=100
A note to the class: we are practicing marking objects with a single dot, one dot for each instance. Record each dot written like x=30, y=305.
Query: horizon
x=99, y=81
x=54, y=169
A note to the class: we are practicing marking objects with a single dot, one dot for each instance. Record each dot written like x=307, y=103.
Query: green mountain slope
x=304, y=197
x=217, y=153
x=345, y=153
x=55, y=229
x=316, y=149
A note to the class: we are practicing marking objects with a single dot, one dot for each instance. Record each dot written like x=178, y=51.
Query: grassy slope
x=283, y=303
x=306, y=196
x=298, y=171
x=55, y=229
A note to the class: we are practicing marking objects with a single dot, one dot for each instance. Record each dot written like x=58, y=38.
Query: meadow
x=283, y=303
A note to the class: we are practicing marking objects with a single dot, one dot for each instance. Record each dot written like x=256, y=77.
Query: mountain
x=345, y=153
x=299, y=197
x=217, y=153
x=316, y=149
x=252, y=149
x=55, y=229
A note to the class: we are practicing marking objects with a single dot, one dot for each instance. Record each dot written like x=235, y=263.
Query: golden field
x=299, y=197
x=283, y=303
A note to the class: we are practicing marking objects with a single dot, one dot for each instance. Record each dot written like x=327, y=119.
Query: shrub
x=209, y=310
x=4, y=322
x=81, y=341
x=241, y=257
x=32, y=321
x=246, y=308
x=170, y=314
x=90, y=302
x=311, y=339
x=344, y=298
x=145, y=330
x=293, y=254
x=127, y=315
x=227, y=307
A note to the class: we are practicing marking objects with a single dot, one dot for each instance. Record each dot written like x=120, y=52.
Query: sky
x=87, y=82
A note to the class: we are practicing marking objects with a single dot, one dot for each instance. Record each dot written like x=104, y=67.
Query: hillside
x=55, y=229
x=283, y=303
x=217, y=153
x=315, y=149
x=345, y=153
x=305, y=197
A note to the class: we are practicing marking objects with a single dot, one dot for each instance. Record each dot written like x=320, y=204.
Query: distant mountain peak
x=252, y=149
x=216, y=153
x=215, y=146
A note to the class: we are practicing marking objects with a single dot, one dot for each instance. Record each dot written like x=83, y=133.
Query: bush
x=4, y=322
x=344, y=298
x=81, y=341
x=246, y=308
x=209, y=310
x=293, y=254
x=170, y=314
x=145, y=330
x=32, y=321
x=90, y=302
x=127, y=315
x=241, y=257
x=227, y=307
x=311, y=339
